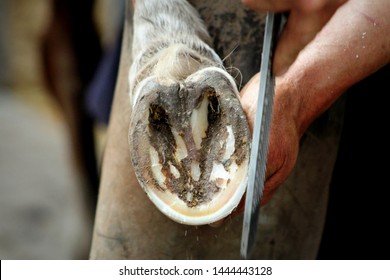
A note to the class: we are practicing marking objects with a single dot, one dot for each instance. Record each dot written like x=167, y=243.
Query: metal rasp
x=259, y=151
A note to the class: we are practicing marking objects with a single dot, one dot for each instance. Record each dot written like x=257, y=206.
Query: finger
x=301, y=28
x=268, y=5
x=271, y=185
x=298, y=32
x=286, y=5
x=250, y=85
x=274, y=178
x=248, y=99
x=310, y=5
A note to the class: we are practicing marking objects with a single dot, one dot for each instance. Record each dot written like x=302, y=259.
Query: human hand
x=284, y=134
x=323, y=70
x=306, y=19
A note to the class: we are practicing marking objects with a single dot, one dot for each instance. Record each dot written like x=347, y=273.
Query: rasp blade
x=259, y=151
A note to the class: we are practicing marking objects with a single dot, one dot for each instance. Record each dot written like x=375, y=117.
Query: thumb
x=302, y=26
x=300, y=29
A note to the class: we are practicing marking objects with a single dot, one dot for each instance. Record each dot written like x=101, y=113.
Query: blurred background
x=57, y=74
x=52, y=125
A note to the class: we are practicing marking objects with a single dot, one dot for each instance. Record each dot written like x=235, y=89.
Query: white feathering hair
x=170, y=42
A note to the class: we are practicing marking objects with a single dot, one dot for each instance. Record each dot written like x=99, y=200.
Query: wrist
x=305, y=91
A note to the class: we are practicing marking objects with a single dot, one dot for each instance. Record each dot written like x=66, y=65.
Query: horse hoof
x=189, y=144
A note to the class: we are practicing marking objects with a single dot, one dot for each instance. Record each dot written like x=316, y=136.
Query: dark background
x=357, y=225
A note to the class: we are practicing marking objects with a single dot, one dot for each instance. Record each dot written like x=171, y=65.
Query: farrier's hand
x=284, y=133
x=306, y=19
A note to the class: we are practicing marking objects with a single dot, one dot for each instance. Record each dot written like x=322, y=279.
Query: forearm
x=354, y=44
